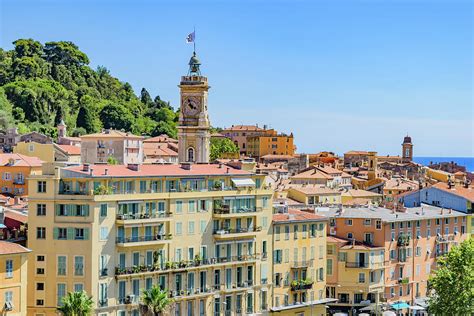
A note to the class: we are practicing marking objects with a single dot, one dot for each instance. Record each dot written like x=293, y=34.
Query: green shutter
x=70, y=233
x=55, y=233
x=86, y=210
x=86, y=233
x=57, y=209
x=69, y=210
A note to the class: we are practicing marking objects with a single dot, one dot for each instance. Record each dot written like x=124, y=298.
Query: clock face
x=191, y=105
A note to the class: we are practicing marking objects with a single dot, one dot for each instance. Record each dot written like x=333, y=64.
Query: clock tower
x=194, y=127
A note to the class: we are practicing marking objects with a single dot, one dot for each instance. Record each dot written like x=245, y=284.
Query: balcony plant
x=102, y=190
x=197, y=260
x=135, y=269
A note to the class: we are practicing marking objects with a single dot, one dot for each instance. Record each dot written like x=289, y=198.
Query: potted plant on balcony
x=197, y=260
x=182, y=264
x=294, y=284
x=143, y=268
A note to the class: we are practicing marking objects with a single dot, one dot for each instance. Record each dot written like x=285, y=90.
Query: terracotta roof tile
x=243, y=128
x=158, y=170
x=70, y=149
x=297, y=216
x=467, y=193
x=19, y=160
x=17, y=216
x=112, y=134
x=8, y=248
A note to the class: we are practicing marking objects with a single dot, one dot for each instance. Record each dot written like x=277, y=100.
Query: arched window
x=190, y=154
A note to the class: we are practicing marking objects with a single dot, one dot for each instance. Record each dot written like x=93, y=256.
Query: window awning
x=400, y=305
x=243, y=182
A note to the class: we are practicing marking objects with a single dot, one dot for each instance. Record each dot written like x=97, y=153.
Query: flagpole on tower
x=194, y=42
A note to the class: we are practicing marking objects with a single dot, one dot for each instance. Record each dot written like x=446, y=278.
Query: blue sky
x=340, y=75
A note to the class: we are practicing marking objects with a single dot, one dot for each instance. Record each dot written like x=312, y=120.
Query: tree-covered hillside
x=40, y=84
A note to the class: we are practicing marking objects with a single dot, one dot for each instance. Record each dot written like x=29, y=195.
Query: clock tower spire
x=194, y=127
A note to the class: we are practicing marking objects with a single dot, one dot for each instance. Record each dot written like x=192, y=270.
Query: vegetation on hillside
x=42, y=84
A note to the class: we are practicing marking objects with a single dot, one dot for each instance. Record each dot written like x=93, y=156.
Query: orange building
x=239, y=133
x=270, y=143
x=411, y=239
x=14, y=169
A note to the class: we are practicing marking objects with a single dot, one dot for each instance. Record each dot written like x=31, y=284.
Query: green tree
x=163, y=127
x=116, y=117
x=452, y=284
x=155, y=301
x=27, y=48
x=66, y=53
x=146, y=98
x=220, y=146
x=76, y=304
x=85, y=119
x=111, y=160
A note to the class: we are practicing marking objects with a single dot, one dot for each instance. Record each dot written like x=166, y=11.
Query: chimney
x=91, y=171
x=85, y=167
x=17, y=200
x=106, y=171
x=133, y=166
x=227, y=171
x=186, y=166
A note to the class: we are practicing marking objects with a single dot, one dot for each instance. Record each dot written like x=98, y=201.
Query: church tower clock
x=194, y=127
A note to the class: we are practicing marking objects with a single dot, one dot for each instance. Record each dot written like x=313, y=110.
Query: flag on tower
x=190, y=37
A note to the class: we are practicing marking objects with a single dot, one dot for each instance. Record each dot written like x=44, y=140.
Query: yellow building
x=438, y=175
x=14, y=169
x=200, y=231
x=299, y=263
x=49, y=152
x=270, y=143
x=354, y=196
x=354, y=274
x=314, y=194
x=13, y=273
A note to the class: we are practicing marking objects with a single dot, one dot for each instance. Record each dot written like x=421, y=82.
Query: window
x=191, y=228
x=295, y=232
x=103, y=210
x=39, y=303
x=342, y=256
x=393, y=254
x=41, y=187
x=179, y=207
x=104, y=232
x=62, y=265
x=367, y=222
x=361, y=277
x=8, y=297
x=39, y=271
x=350, y=236
x=378, y=224
x=61, y=292
x=78, y=287
x=287, y=232
x=191, y=206
x=202, y=226
x=40, y=209
x=79, y=234
x=348, y=222
x=40, y=258
x=40, y=233
x=329, y=267
x=418, y=251
x=78, y=265
x=179, y=228
x=321, y=251
x=190, y=154
x=9, y=268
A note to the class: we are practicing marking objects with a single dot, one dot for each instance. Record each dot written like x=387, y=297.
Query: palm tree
x=76, y=304
x=155, y=301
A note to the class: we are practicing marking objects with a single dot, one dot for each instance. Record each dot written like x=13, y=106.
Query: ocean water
x=467, y=162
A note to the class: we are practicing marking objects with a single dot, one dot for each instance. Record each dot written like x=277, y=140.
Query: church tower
x=194, y=127
x=407, y=149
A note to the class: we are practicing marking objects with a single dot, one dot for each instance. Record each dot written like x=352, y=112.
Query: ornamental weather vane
x=194, y=61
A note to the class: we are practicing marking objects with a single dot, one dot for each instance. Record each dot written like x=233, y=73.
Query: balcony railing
x=301, y=264
x=226, y=209
x=18, y=181
x=226, y=231
x=169, y=265
x=74, y=192
x=143, y=216
x=122, y=240
x=301, y=285
x=357, y=264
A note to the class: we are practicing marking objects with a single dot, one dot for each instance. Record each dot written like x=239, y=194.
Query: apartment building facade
x=412, y=240
x=13, y=274
x=270, y=143
x=14, y=169
x=299, y=263
x=199, y=231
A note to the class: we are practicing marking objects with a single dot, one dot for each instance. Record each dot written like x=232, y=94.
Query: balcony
x=403, y=240
x=142, y=218
x=301, y=264
x=184, y=265
x=225, y=211
x=403, y=281
x=357, y=265
x=301, y=285
x=143, y=240
x=224, y=233
x=18, y=181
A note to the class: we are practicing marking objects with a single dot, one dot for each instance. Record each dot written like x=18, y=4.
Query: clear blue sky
x=340, y=75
